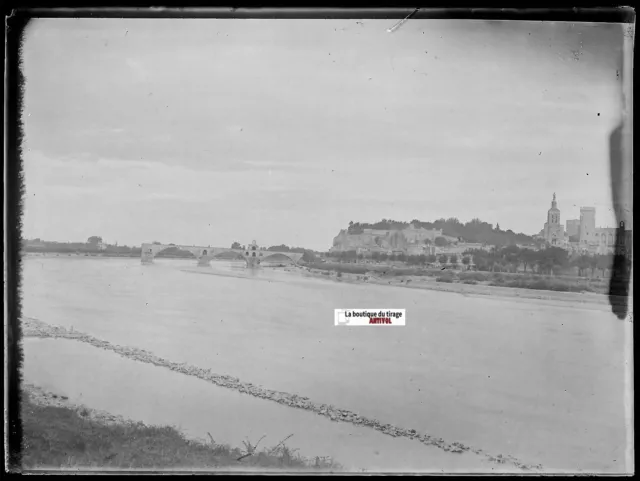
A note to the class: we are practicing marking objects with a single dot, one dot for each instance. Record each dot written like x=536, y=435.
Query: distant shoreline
x=577, y=299
x=75, y=254
x=587, y=299
x=101, y=254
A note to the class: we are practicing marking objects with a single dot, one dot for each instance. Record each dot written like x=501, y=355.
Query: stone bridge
x=253, y=255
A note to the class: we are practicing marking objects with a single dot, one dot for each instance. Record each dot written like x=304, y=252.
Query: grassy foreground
x=70, y=437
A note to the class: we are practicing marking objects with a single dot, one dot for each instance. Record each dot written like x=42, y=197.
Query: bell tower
x=555, y=232
x=553, y=216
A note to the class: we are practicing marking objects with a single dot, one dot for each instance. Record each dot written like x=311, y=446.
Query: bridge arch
x=163, y=251
x=276, y=256
x=253, y=255
x=229, y=255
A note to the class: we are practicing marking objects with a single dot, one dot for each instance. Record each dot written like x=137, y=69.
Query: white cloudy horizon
x=207, y=132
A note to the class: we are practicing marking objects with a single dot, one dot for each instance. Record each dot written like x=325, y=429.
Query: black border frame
x=17, y=18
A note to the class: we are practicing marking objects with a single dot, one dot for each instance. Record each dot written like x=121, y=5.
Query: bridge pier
x=252, y=262
x=204, y=261
x=147, y=256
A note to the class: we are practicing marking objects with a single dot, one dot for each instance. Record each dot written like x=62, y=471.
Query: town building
x=414, y=239
x=581, y=235
x=420, y=250
x=573, y=227
x=417, y=235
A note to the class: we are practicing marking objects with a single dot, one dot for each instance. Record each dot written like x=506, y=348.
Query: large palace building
x=580, y=235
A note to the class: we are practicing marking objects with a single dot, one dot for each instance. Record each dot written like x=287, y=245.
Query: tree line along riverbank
x=550, y=261
x=371, y=272
x=552, y=269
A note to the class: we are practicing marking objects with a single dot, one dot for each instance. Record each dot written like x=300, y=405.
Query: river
x=545, y=384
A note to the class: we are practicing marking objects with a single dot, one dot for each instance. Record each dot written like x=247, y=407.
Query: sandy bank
x=34, y=328
x=586, y=300
x=43, y=397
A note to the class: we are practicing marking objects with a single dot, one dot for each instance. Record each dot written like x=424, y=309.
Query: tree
x=94, y=239
x=582, y=263
x=526, y=256
x=453, y=259
x=309, y=257
x=442, y=259
x=604, y=262
x=504, y=265
x=511, y=255
x=236, y=245
x=593, y=264
x=466, y=261
x=441, y=241
x=473, y=231
x=551, y=260
x=280, y=248
x=482, y=263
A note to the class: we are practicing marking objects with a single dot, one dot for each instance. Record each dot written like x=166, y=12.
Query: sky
x=209, y=131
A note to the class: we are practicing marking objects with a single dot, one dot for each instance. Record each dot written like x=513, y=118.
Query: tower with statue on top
x=553, y=229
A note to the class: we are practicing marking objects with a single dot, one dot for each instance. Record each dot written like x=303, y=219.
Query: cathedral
x=581, y=235
x=553, y=231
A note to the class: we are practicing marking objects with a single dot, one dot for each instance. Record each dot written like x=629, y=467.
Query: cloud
x=321, y=121
x=119, y=181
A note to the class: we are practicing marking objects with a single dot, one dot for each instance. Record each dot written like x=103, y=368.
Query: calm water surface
x=543, y=383
x=94, y=377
